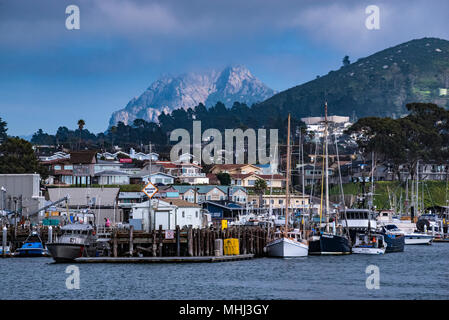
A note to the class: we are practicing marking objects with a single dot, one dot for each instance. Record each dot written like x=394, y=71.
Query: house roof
x=84, y=157
x=212, y=178
x=166, y=164
x=180, y=203
x=224, y=204
x=232, y=166
x=147, y=173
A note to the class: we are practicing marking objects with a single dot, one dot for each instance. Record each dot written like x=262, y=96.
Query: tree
x=422, y=135
x=81, y=124
x=3, y=130
x=225, y=178
x=17, y=156
x=346, y=61
x=259, y=187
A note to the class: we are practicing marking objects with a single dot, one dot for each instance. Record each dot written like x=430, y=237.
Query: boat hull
x=395, y=243
x=66, y=252
x=31, y=252
x=330, y=244
x=418, y=239
x=286, y=248
x=362, y=250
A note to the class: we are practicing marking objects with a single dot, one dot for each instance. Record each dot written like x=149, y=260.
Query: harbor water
x=420, y=272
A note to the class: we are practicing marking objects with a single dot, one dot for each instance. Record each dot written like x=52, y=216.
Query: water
x=420, y=272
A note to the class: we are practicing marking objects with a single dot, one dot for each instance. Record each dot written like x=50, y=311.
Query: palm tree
x=81, y=124
x=112, y=131
x=259, y=187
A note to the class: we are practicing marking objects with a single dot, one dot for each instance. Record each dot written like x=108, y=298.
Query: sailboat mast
x=287, y=176
x=326, y=166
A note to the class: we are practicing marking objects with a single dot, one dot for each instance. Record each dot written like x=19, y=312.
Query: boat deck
x=164, y=259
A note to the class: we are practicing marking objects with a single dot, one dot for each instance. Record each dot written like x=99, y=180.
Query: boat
x=418, y=238
x=326, y=242
x=287, y=244
x=7, y=251
x=77, y=240
x=32, y=247
x=366, y=243
x=394, y=237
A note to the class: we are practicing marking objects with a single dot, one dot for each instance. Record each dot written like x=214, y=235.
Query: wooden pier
x=187, y=242
x=164, y=259
x=176, y=244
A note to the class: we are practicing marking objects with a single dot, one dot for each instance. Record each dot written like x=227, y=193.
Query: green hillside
x=386, y=191
x=379, y=85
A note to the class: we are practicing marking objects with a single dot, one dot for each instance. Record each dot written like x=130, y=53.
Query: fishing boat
x=32, y=247
x=288, y=246
x=287, y=243
x=77, y=240
x=327, y=242
x=366, y=243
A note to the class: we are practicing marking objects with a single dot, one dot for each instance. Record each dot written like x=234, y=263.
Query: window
x=68, y=167
x=57, y=167
x=281, y=201
x=196, y=214
x=183, y=214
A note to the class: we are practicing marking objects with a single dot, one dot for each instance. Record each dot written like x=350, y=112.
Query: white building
x=169, y=213
x=316, y=125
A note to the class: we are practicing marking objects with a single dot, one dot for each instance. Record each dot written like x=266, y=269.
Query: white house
x=111, y=177
x=169, y=213
x=158, y=177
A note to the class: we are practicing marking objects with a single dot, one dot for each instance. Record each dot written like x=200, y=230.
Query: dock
x=165, y=259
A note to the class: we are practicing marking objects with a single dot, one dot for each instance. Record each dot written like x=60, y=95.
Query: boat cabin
x=359, y=219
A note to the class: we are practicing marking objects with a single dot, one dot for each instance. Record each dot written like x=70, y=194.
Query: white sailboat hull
x=286, y=248
x=361, y=250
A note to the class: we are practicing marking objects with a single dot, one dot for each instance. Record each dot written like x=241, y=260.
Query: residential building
x=249, y=180
x=110, y=177
x=199, y=194
x=236, y=169
x=223, y=209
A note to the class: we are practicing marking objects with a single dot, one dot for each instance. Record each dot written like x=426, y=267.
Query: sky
x=51, y=76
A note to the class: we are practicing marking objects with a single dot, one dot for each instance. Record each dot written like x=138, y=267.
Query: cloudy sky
x=51, y=76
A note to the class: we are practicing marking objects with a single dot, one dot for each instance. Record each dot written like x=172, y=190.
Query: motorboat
x=418, y=238
x=366, y=243
x=32, y=247
x=77, y=240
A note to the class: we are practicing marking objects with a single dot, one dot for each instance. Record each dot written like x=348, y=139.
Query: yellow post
x=224, y=224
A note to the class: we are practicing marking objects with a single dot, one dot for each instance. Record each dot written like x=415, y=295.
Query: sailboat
x=287, y=243
x=328, y=243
